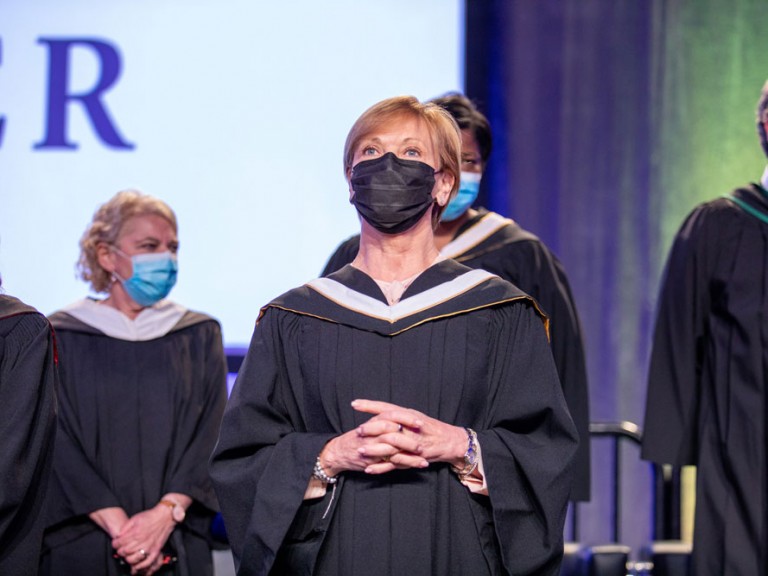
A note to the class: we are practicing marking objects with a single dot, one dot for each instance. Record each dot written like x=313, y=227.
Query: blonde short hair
x=105, y=228
x=445, y=133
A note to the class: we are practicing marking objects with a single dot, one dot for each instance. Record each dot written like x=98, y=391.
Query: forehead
x=469, y=142
x=399, y=127
x=143, y=225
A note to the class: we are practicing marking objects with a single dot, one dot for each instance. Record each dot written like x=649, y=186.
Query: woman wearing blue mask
x=403, y=415
x=143, y=385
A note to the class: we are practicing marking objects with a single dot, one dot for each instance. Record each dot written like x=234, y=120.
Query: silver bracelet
x=320, y=474
x=470, y=456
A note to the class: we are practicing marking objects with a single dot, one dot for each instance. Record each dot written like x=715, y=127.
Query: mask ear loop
x=114, y=276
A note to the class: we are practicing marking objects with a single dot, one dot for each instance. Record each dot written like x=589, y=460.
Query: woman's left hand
x=141, y=540
x=439, y=441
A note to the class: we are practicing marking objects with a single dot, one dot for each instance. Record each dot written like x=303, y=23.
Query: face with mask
x=469, y=187
x=143, y=260
x=471, y=174
x=394, y=180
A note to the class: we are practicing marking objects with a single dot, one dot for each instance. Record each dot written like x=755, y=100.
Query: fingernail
x=355, y=403
x=424, y=464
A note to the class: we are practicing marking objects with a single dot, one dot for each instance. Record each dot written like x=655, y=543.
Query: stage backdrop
x=612, y=119
x=234, y=112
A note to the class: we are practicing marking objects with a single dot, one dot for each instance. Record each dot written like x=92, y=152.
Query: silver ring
x=143, y=553
x=399, y=427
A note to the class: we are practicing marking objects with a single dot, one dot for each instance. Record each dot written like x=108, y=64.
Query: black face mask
x=392, y=194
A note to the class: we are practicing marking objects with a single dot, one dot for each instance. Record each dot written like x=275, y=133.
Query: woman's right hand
x=374, y=443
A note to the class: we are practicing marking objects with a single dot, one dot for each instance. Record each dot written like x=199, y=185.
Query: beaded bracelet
x=470, y=456
x=320, y=474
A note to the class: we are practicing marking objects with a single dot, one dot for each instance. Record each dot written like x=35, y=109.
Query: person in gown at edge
x=403, y=415
x=481, y=239
x=707, y=384
x=707, y=401
x=143, y=388
x=27, y=430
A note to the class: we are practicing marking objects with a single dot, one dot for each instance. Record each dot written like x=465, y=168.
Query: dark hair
x=762, y=117
x=468, y=117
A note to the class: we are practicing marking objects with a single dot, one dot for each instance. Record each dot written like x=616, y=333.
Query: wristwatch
x=177, y=510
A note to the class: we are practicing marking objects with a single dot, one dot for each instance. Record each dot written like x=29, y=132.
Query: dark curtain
x=611, y=120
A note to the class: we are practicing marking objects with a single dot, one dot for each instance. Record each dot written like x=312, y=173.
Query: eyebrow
x=155, y=239
x=377, y=140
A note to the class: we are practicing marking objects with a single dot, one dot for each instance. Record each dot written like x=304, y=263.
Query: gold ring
x=385, y=459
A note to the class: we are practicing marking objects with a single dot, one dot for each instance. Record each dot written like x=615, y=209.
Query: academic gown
x=707, y=386
x=502, y=247
x=27, y=431
x=138, y=419
x=461, y=346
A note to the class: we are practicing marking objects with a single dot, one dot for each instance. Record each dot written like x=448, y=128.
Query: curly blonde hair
x=105, y=228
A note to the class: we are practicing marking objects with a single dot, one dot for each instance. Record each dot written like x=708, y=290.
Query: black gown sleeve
x=343, y=255
x=76, y=487
x=669, y=429
x=264, y=457
x=528, y=445
x=200, y=429
x=27, y=428
x=543, y=277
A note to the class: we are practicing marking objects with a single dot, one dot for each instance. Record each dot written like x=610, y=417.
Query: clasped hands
x=138, y=540
x=394, y=438
x=152, y=527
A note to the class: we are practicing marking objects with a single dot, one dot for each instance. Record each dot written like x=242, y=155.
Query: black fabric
x=137, y=420
x=489, y=369
x=392, y=193
x=707, y=398
x=521, y=258
x=28, y=380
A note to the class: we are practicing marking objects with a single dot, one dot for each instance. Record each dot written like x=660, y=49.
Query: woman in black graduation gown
x=481, y=239
x=403, y=415
x=27, y=430
x=143, y=387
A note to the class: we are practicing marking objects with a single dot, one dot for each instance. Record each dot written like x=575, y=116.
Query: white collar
x=479, y=231
x=764, y=179
x=152, y=322
x=363, y=304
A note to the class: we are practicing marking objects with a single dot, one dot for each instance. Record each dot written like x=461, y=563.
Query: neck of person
x=446, y=231
x=118, y=298
x=390, y=257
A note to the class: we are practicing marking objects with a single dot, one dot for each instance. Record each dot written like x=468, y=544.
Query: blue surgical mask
x=469, y=186
x=153, y=277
